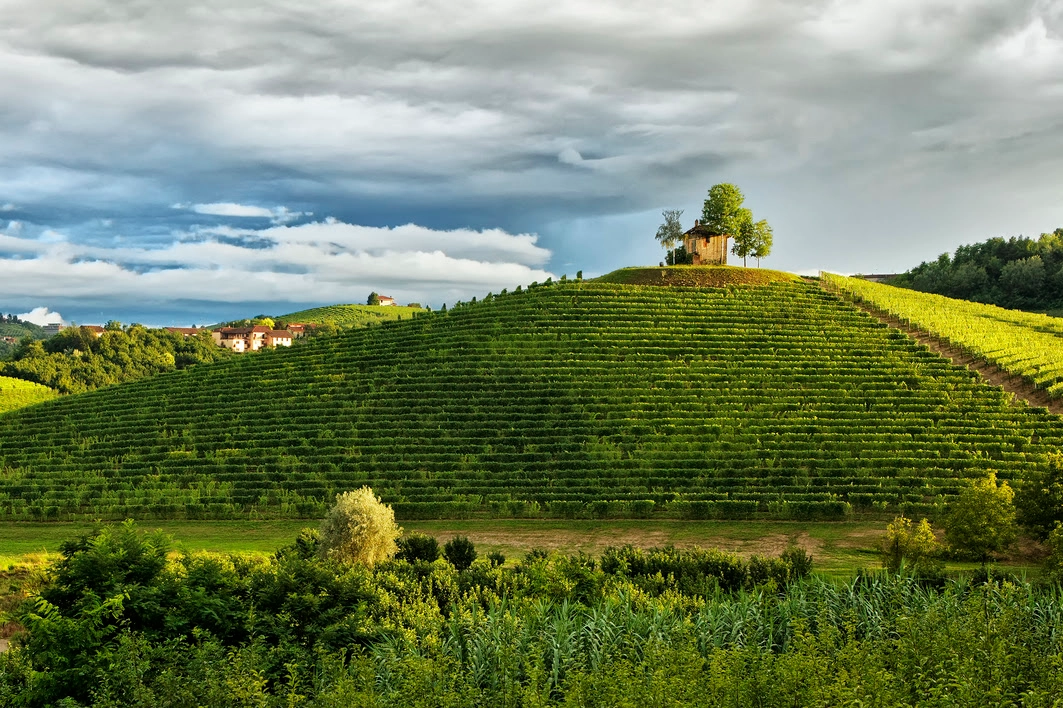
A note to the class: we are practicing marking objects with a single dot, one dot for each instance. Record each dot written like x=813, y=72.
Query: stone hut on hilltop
x=705, y=246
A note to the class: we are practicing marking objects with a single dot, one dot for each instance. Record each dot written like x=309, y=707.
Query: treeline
x=1021, y=273
x=118, y=624
x=76, y=360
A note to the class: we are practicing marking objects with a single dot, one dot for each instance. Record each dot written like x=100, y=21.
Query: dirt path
x=1022, y=389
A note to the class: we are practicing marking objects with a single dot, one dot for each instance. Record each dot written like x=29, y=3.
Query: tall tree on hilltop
x=762, y=240
x=723, y=212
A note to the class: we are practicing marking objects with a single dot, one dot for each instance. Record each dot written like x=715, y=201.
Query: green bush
x=459, y=552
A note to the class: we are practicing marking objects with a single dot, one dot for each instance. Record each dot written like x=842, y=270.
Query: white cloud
x=41, y=316
x=328, y=261
x=277, y=215
x=7, y=207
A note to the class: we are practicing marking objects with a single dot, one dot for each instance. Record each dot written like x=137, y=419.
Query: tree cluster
x=722, y=213
x=1021, y=273
x=76, y=360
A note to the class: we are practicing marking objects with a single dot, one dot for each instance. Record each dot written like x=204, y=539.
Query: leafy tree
x=762, y=240
x=982, y=520
x=1023, y=277
x=753, y=239
x=723, y=212
x=670, y=233
x=914, y=546
x=459, y=552
x=1039, y=499
x=1053, y=568
x=359, y=528
x=374, y=298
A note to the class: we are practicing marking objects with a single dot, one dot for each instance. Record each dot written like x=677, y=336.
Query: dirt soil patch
x=697, y=276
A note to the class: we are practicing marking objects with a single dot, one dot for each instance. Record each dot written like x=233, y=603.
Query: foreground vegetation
x=1022, y=343
x=16, y=393
x=577, y=400
x=116, y=623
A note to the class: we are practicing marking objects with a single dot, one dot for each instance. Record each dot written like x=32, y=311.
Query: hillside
x=580, y=398
x=349, y=315
x=14, y=328
x=15, y=393
x=1024, y=344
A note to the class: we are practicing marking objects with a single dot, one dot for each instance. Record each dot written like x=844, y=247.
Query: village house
x=385, y=300
x=95, y=329
x=298, y=330
x=705, y=246
x=251, y=339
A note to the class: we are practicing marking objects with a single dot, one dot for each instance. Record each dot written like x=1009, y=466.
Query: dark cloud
x=871, y=134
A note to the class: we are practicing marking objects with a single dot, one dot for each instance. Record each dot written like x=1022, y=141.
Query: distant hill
x=77, y=360
x=350, y=315
x=13, y=327
x=16, y=393
x=1019, y=273
x=576, y=399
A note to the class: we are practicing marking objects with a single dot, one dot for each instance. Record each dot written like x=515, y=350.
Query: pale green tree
x=914, y=546
x=359, y=528
x=762, y=240
x=745, y=238
x=982, y=520
x=670, y=233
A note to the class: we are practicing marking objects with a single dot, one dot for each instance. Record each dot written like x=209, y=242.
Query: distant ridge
x=350, y=315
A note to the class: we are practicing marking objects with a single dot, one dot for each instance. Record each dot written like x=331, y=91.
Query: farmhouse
x=251, y=339
x=385, y=300
x=705, y=246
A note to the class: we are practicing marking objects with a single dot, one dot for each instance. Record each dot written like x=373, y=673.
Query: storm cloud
x=870, y=134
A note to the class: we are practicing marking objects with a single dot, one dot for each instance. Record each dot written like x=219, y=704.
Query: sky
x=180, y=163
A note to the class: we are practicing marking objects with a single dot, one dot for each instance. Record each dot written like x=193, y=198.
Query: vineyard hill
x=568, y=399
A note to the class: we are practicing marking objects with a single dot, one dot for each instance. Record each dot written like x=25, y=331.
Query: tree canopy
x=982, y=520
x=1022, y=273
x=723, y=213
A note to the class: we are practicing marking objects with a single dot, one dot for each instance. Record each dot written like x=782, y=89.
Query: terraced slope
x=350, y=315
x=1025, y=344
x=573, y=399
x=16, y=393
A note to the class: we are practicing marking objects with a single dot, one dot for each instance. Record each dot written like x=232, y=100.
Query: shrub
x=359, y=528
x=982, y=520
x=459, y=552
x=418, y=547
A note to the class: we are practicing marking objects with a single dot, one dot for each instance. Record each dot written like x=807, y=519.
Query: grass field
x=839, y=548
